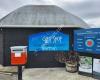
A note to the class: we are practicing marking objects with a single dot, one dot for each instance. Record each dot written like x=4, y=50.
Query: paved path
x=4, y=76
x=46, y=74
x=52, y=74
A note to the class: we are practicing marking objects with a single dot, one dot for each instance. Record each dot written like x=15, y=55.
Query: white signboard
x=85, y=64
x=96, y=66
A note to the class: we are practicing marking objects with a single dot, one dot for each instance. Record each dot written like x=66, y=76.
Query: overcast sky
x=88, y=10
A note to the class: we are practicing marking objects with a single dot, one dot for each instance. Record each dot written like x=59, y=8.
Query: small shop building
x=17, y=26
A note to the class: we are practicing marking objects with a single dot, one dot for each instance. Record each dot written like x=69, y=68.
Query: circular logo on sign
x=89, y=43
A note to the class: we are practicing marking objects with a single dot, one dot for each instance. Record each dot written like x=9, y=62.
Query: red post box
x=18, y=55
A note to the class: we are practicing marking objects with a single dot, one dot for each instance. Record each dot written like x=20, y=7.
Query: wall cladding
x=19, y=36
x=1, y=47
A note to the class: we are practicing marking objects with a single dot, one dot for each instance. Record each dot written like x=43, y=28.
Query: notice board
x=87, y=40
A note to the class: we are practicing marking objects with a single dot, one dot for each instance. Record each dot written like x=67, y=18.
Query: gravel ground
x=45, y=74
x=7, y=76
x=52, y=74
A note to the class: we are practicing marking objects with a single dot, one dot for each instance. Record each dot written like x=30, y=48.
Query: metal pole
x=19, y=72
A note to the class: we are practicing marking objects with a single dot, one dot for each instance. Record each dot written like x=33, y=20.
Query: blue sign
x=49, y=41
x=87, y=40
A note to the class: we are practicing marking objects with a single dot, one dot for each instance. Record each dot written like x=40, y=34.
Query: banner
x=49, y=41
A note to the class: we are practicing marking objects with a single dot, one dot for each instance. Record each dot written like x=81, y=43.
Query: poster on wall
x=85, y=64
x=49, y=41
x=87, y=40
x=96, y=67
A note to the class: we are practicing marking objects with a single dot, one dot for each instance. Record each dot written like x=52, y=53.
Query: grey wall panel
x=1, y=47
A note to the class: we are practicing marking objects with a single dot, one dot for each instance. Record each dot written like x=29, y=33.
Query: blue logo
x=89, y=43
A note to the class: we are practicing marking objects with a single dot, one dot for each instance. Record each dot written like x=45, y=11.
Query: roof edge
x=44, y=26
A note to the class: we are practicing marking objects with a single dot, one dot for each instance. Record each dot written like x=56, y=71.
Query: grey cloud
x=86, y=9
x=9, y=4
